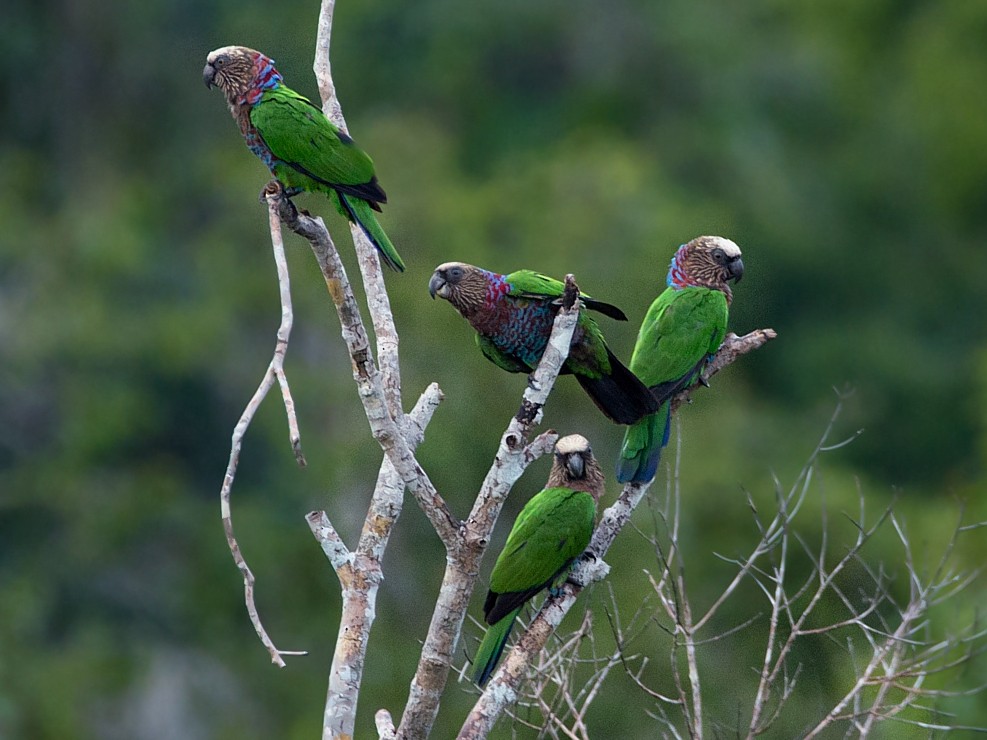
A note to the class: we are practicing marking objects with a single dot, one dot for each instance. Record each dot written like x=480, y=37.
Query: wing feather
x=298, y=133
x=553, y=529
x=682, y=328
x=531, y=284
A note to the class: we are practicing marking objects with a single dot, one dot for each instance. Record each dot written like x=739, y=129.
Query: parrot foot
x=274, y=187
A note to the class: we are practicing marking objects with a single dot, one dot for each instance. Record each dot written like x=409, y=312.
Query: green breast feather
x=680, y=329
x=299, y=134
x=553, y=528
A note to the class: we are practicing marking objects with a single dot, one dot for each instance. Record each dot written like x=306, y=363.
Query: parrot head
x=237, y=70
x=708, y=262
x=574, y=466
x=726, y=254
x=463, y=285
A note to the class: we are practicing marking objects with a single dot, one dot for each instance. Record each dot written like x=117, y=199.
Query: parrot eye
x=719, y=256
x=456, y=273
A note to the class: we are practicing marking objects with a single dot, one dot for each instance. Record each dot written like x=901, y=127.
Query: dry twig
x=274, y=373
x=502, y=690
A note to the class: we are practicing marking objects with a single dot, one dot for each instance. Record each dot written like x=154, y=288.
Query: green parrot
x=299, y=145
x=513, y=315
x=681, y=331
x=552, y=530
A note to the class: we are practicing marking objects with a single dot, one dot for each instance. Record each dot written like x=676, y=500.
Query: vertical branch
x=386, y=504
x=284, y=330
x=368, y=379
x=360, y=575
x=359, y=572
x=464, y=554
x=378, y=301
x=323, y=68
x=275, y=373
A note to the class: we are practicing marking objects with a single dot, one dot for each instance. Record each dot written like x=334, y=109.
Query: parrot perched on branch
x=513, y=316
x=552, y=530
x=301, y=147
x=681, y=332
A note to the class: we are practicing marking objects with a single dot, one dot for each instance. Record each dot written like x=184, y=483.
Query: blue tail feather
x=641, y=451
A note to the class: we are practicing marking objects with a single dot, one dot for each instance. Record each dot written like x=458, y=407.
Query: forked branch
x=275, y=373
x=502, y=690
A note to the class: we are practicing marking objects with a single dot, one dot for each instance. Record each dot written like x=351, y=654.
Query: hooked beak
x=208, y=75
x=736, y=269
x=575, y=465
x=436, y=284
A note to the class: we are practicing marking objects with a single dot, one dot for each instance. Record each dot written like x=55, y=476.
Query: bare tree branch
x=890, y=674
x=385, y=725
x=358, y=571
x=464, y=555
x=360, y=574
x=274, y=373
x=369, y=382
x=502, y=689
x=370, y=268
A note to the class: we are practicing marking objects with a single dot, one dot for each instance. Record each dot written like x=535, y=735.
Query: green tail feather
x=488, y=655
x=359, y=212
x=643, y=443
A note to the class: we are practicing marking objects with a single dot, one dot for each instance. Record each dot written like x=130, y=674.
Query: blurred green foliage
x=842, y=144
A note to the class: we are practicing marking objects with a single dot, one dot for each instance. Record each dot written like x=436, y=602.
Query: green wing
x=531, y=284
x=553, y=528
x=299, y=134
x=681, y=329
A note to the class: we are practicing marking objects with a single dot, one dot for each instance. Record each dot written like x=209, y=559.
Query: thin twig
x=502, y=689
x=274, y=373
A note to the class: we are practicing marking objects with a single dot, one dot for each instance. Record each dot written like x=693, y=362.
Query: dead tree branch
x=900, y=652
x=274, y=373
x=502, y=690
x=360, y=574
x=464, y=554
x=359, y=571
x=368, y=379
x=378, y=301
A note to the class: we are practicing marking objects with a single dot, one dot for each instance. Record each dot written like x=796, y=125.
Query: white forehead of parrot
x=730, y=248
x=217, y=52
x=572, y=443
x=228, y=50
x=448, y=265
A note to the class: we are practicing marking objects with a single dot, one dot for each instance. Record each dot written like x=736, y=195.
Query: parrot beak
x=576, y=466
x=736, y=269
x=437, y=284
x=208, y=74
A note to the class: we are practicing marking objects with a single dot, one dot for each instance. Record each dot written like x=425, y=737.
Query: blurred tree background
x=842, y=144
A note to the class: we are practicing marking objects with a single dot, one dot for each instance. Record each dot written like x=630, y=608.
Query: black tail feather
x=607, y=309
x=621, y=396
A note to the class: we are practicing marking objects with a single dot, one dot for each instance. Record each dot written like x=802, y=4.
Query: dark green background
x=842, y=144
